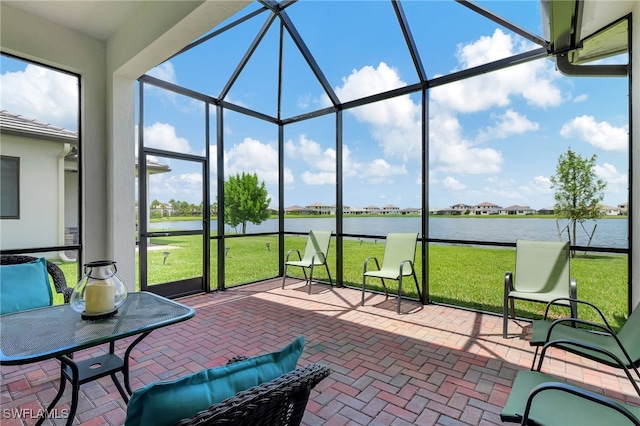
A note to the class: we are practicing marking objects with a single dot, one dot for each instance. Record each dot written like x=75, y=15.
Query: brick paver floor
x=429, y=365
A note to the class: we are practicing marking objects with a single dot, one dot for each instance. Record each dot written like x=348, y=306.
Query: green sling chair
x=315, y=254
x=541, y=275
x=397, y=262
x=625, y=344
x=541, y=399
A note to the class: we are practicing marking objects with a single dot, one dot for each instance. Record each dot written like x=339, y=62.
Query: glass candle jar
x=100, y=292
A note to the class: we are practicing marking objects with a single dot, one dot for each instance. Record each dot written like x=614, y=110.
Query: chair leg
x=399, y=293
x=364, y=282
x=415, y=279
x=535, y=355
x=310, y=279
x=284, y=276
x=386, y=292
x=328, y=273
x=505, y=315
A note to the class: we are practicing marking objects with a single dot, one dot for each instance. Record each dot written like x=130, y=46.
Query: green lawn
x=469, y=277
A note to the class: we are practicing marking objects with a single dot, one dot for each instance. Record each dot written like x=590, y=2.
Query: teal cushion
x=24, y=286
x=165, y=403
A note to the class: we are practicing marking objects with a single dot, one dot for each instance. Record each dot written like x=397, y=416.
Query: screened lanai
x=411, y=135
x=295, y=93
x=374, y=117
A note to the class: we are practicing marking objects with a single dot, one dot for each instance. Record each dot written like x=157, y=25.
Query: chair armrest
x=292, y=251
x=577, y=301
x=579, y=392
x=281, y=401
x=606, y=331
x=402, y=266
x=562, y=343
x=366, y=261
x=237, y=358
x=66, y=292
x=320, y=255
x=508, y=282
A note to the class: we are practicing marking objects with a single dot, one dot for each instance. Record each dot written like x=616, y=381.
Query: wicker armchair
x=59, y=281
x=281, y=401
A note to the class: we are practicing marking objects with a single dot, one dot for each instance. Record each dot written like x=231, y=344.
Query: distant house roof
x=488, y=204
x=518, y=207
x=23, y=126
x=19, y=125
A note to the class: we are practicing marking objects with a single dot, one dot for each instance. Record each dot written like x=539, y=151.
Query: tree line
x=577, y=192
x=245, y=200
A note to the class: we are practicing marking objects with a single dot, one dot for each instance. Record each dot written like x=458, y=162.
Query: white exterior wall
x=38, y=225
x=108, y=72
x=34, y=38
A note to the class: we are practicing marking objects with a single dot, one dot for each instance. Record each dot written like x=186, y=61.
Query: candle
x=99, y=297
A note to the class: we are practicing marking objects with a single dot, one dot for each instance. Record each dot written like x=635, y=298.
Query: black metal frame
x=278, y=10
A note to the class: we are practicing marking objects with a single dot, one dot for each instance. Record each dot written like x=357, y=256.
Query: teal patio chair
x=541, y=399
x=397, y=262
x=625, y=345
x=315, y=254
x=541, y=275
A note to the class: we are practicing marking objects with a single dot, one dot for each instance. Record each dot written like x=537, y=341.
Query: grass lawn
x=471, y=277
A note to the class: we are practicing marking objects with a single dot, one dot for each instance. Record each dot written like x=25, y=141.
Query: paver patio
x=430, y=365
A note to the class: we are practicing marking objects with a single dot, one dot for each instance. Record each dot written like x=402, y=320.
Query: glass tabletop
x=39, y=334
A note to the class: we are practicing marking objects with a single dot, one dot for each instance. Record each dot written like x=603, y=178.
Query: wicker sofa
x=59, y=281
x=281, y=401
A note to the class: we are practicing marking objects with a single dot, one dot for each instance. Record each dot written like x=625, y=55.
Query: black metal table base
x=81, y=372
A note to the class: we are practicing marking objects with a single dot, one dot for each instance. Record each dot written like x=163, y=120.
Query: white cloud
x=580, y=98
x=319, y=178
x=163, y=136
x=395, y=123
x=380, y=171
x=451, y=153
x=253, y=156
x=164, y=71
x=369, y=81
x=320, y=162
x=610, y=174
x=453, y=184
x=507, y=124
x=42, y=94
x=542, y=184
x=601, y=135
x=186, y=186
x=532, y=80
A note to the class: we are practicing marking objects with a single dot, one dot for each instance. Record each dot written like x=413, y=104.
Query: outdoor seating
x=397, y=262
x=59, y=281
x=281, y=401
x=315, y=254
x=625, y=345
x=541, y=275
x=539, y=398
x=266, y=389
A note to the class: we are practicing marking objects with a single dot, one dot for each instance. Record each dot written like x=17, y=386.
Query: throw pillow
x=166, y=403
x=24, y=286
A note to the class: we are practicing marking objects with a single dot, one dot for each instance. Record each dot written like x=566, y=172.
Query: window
x=9, y=187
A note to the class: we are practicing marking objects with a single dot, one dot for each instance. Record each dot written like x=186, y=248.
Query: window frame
x=15, y=199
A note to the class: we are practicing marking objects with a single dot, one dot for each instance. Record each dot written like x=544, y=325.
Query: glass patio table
x=58, y=331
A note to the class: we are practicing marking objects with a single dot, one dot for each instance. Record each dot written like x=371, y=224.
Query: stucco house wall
x=39, y=221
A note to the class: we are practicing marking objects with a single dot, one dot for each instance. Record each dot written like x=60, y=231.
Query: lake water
x=609, y=232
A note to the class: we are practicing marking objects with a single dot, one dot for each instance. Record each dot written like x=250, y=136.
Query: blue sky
x=495, y=138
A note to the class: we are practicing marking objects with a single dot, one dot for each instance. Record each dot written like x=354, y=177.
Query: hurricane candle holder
x=100, y=292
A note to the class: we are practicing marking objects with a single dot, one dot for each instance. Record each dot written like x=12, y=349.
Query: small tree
x=578, y=191
x=245, y=200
